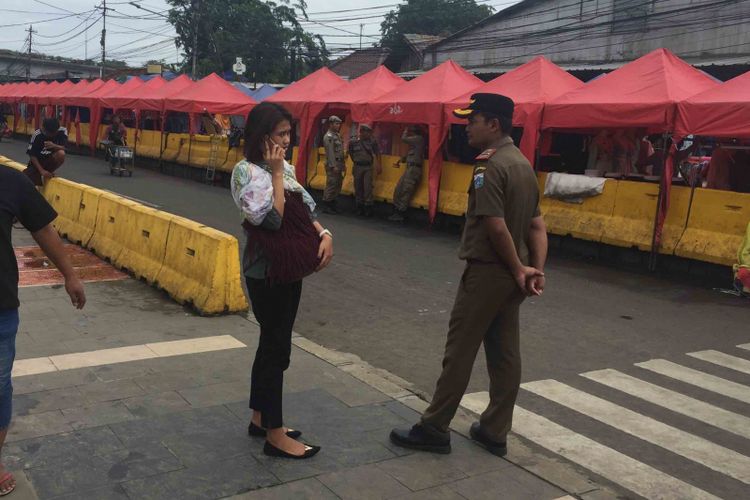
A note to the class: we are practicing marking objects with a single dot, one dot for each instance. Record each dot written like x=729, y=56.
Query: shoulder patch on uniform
x=478, y=180
x=486, y=154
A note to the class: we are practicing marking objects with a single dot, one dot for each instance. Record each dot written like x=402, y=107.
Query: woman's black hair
x=261, y=122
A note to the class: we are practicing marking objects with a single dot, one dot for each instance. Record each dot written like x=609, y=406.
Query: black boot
x=361, y=210
x=499, y=448
x=329, y=207
x=423, y=438
x=398, y=216
x=368, y=211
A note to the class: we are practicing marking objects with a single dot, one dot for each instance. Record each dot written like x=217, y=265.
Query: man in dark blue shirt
x=19, y=200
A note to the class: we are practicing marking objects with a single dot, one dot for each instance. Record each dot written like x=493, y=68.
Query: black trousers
x=275, y=309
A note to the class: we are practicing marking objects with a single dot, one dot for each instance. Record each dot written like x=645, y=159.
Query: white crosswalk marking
x=699, y=379
x=722, y=359
x=679, y=403
x=695, y=448
x=621, y=469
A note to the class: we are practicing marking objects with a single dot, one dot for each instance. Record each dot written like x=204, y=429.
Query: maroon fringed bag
x=292, y=251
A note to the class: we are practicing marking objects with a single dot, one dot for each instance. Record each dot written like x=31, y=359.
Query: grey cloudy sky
x=72, y=28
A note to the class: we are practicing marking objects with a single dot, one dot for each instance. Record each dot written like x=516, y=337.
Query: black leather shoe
x=497, y=448
x=255, y=431
x=272, y=451
x=422, y=438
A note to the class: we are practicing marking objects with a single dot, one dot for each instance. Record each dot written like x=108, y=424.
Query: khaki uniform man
x=335, y=168
x=365, y=154
x=504, y=245
x=409, y=181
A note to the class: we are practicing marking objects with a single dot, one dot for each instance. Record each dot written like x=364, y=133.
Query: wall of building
x=593, y=32
x=16, y=68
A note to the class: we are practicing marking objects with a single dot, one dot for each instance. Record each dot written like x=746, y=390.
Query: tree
x=426, y=17
x=267, y=35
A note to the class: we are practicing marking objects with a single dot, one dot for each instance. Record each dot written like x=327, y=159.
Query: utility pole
x=195, y=4
x=361, y=27
x=28, y=54
x=103, y=41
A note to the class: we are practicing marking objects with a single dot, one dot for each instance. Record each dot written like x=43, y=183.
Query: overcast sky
x=61, y=27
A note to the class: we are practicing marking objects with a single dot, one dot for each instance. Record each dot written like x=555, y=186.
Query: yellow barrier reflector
x=197, y=268
x=455, y=181
x=145, y=242
x=113, y=224
x=716, y=227
x=585, y=221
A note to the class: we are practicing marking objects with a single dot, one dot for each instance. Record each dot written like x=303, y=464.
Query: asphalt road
x=388, y=294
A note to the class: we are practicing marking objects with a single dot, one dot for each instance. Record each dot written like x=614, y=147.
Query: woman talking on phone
x=285, y=243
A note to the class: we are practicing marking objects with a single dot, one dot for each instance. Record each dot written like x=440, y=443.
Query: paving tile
x=99, y=392
x=40, y=402
x=121, y=371
x=211, y=445
x=32, y=365
x=54, y=380
x=438, y=493
x=152, y=405
x=216, y=394
x=305, y=489
x=109, y=492
x=44, y=451
x=366, y=482
x=420, y=471
x=98, y=414
x=38, y=424
x=212, y=480
x=79, y=474
x=472, y=459
x=514, y=483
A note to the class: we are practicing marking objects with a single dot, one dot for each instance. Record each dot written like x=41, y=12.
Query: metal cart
x=123, y=161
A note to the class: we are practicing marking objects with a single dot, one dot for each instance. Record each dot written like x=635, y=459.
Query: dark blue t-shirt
x=20, y=200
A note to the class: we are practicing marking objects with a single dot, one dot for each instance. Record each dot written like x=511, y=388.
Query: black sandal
x=273, y=451
x=255, y=431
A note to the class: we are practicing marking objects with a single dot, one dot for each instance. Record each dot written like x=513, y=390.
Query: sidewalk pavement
x=155, y=410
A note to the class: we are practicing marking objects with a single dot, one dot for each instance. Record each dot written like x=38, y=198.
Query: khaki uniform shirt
x=503, y=185
x=334, y=150
x=415, y=156
x=364, y=151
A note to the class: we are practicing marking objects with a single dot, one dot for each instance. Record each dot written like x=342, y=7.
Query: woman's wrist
x=325, y=232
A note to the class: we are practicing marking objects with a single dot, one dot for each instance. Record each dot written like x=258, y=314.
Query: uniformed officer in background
x=504, y=244
x=409, y=181
x=335, y=167
x=365, y=154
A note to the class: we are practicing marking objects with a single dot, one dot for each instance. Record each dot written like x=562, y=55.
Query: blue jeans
x=8, y=330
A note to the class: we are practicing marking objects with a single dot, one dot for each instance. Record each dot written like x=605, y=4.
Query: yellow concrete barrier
x=148, y=145
x=12, y=164
x=455, y=181
x=632, y=221
x=113, y=224
x=83, y=229
x=173, y=146
x=386, y=183
x=65, y=197
x=201, y=266
x=716, y=226
x=145, y=243
x=584, y=221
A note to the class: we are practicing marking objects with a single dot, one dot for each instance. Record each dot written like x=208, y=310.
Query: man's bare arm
x=52, y=246
x=538, y=243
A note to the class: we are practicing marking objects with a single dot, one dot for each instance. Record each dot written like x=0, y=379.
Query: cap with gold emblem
x=490, y=103
x=334, y=119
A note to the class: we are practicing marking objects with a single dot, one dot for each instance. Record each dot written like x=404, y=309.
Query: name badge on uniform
x=478, y=180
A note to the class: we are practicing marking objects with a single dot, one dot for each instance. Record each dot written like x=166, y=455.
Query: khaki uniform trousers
x=363, y=184
x=485, y=311
x=406, y=187
x=334, y=181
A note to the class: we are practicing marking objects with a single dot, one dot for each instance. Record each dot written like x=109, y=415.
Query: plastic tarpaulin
x=153, y=99
x=643, y=93
x=721, y=111
x=296, y=99
x=127, y=97
x=212, y=94
x=530, y=85
x=97, y=106
x=422, y=101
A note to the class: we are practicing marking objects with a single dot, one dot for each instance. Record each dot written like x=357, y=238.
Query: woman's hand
x=274, y=154
x=325, y=252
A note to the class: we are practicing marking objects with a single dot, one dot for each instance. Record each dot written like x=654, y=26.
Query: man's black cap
x=489, y=103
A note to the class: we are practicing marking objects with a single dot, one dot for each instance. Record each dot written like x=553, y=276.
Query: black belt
x=363, y=164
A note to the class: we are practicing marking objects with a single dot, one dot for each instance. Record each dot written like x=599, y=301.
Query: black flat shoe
x=497, y=448
x=422, y=438
x=272, y=451
x=255, y=431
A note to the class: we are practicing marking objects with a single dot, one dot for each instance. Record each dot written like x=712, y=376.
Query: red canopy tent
x=96, y=106
x=530, y=85
x=128, y=98
x=641, y=94
x=88, y=98
x=421, y=101
x=29, y=94
x=74, y=96
x=152, y=99
x=722, y=111
x=212, y=94
x=296, y=99
x=50, y=97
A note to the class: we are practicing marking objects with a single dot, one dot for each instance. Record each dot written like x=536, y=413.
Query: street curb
x=577, y=482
